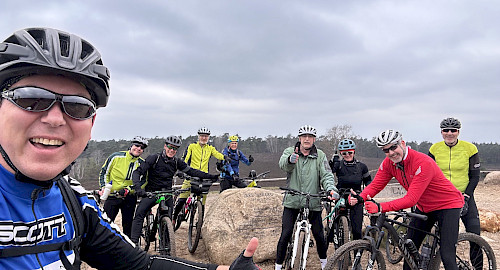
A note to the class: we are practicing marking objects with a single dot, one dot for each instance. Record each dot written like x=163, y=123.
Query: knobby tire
x=167, y=237
x=144, y=238
x=345, y=257
x=195, y=224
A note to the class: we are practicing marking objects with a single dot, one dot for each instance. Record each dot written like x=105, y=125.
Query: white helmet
x=204, y=130
x=389, y=136
x=303, y=130
x=141, y=140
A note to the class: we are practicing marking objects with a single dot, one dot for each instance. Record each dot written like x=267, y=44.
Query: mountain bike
x=337, y=219
x=473, y=252
x=393, y=254
x=298, y=246
x=166, y=237
x=193, y=210
x=253, y=177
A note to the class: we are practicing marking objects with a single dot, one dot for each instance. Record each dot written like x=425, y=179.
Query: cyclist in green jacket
x=308, y=171
x=117, y=170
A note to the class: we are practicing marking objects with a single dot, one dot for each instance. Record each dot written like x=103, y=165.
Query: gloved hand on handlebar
x=245, y=260
x=124, y=192
x=372, y=207
x=354, y=198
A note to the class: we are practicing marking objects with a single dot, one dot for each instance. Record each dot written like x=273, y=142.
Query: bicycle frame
x=338, y=210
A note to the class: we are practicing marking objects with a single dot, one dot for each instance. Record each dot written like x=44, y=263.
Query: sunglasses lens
x=392, y=148
x=36, y=99
x=78, y=107
x=448, y=130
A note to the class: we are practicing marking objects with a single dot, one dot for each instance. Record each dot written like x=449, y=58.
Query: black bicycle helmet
x=450, y=122
x=173, y=140
x=387, y=137
x=49, y=51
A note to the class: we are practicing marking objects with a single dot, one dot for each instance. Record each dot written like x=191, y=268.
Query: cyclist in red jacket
x=426, y=186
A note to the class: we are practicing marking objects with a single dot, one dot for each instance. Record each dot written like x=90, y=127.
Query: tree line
x=87, y=167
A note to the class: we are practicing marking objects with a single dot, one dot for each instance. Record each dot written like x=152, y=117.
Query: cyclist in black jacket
x=160, y=169
x=351, y=174
x=51, y=84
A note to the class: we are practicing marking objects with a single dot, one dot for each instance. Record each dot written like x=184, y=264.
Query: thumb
x=368, y=197
x=353, y=192
x=251, y=247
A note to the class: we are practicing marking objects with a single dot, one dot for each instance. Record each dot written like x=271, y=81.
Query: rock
x=490, y=220
x=492, y=178
x=235, y=217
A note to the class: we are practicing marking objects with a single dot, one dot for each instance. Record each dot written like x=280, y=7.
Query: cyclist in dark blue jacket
x=231, y=169
x=51, y=85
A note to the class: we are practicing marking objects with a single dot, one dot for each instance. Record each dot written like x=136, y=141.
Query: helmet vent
x=87, y=50
x=39, y=36
x=64, y=44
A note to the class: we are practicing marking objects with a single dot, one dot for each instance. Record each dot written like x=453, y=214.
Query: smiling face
x=43, y=144
x=203, y=139
x=348, y=155
x=450, y=135
x=395, y=152
x=306, y=141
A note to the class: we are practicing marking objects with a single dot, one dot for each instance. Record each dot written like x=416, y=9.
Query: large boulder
x=235, y=217
x=492, y=178
x=490, y=220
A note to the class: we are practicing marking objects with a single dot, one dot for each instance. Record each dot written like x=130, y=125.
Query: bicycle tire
x=144, y=238
x=342, y=231
x=328, y=222
x=179, y=220
x=393, y=253
x=167, y=237
x=464, y=252
x=288, y=256
x=195, y=223
x=344, y=257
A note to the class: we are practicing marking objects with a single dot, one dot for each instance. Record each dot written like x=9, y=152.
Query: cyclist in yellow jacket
x=117, y=170
x=459, y=161
x=197, y=156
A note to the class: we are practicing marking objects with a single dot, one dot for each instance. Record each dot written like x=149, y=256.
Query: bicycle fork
x=302, y=226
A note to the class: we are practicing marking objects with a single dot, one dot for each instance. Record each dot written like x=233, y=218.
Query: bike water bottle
x=186, y=205
x=425, y=256
x=107, y=190
x=413, y=249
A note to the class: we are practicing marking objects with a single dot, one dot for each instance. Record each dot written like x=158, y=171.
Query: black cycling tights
x=288, y=222
x=447, y=220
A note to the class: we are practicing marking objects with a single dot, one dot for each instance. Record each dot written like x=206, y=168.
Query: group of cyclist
x=43, y=67
x=437, y=183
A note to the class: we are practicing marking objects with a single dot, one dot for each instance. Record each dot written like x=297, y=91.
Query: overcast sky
x=259, y=68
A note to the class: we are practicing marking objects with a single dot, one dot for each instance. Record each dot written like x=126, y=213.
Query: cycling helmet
x=252, y=174
x=173, y=140
x=233, y=138
x=141, y=140
x=49, y=51
x=303, y=130
x=347, y=144
x=204, y=130
x=389, y=136
x=450, y=122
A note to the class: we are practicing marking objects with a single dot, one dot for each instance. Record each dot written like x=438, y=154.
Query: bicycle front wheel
x=394, y=255
x=341, y=231
x=356, y=254
x=473, y=252
x=167, y=237
x=144, y=238
x=195, y=223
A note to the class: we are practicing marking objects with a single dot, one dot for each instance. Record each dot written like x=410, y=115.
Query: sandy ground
x=487, y=197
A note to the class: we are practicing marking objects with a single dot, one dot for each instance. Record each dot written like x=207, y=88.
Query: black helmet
x=173, y=140
x=450, y=122
x=49, y=51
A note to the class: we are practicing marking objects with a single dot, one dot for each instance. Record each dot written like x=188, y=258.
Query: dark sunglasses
x=142, y=146
x=36, y=99
x=172, y=147
x=446, y=130
x=347, y=153
x=392, y=148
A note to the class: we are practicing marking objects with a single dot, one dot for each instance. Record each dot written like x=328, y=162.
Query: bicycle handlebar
x=403, y=213
x=322, y=193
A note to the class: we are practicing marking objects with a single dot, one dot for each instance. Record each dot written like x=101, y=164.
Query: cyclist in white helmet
x=427, y=188
x=51, y=84
x=307, y=171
